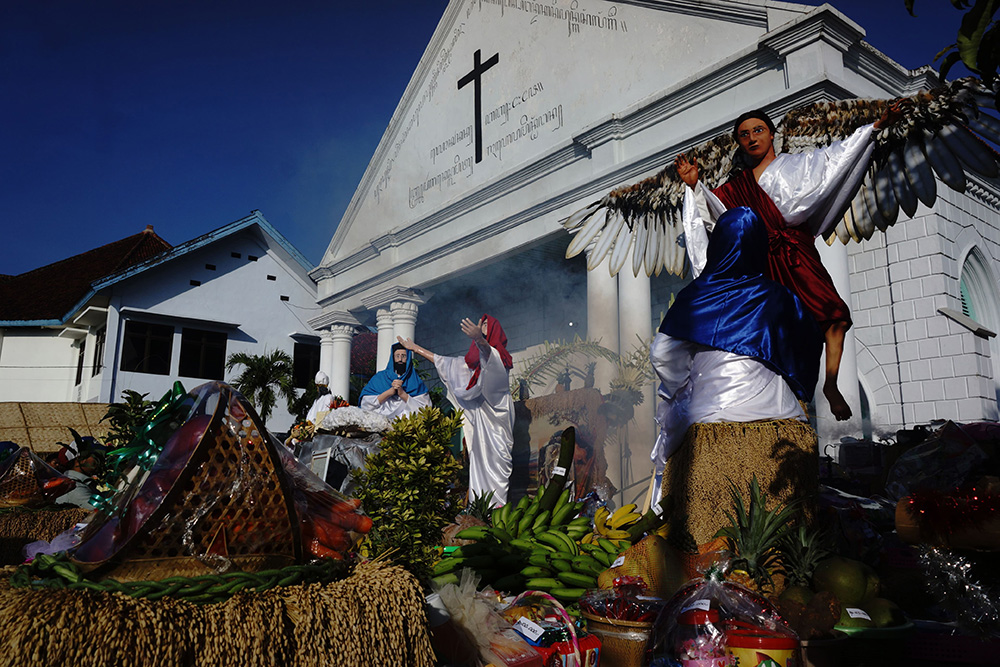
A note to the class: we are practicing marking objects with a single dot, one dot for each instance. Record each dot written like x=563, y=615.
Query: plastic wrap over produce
x=28, y=481
x=206, y=489
x=716, y=623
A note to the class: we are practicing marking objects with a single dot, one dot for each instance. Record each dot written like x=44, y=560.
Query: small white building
x=520, y=113
x=139, y=314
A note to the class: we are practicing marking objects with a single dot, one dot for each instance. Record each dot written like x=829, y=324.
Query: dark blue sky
x=187, y=115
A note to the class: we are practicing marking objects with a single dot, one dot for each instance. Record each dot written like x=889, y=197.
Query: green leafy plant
x=408, y=489
x=126, y=418
x=977, y=44
x=754, y=533
x=264, y=378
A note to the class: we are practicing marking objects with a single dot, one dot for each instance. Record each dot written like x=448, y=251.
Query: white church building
x=521, y=112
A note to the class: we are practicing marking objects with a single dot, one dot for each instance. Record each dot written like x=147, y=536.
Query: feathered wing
x=942, y=134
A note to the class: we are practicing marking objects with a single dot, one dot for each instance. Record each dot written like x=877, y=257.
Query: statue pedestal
x=781, y=453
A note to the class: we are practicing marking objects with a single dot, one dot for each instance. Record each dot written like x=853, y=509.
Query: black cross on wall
x=475, y=76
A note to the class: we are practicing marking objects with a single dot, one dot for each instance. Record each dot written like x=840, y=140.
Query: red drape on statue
x=497, y=339
x=792, y=258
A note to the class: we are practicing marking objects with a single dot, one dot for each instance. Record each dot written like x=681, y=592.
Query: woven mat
x=374, y=617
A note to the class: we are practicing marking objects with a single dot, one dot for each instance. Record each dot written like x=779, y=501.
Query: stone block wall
x=916, y=364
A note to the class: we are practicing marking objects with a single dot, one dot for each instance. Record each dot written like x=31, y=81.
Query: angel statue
x=833, y=169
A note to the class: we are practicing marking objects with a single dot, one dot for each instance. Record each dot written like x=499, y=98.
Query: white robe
x=807, y=188
x=320, y=408
x=488, y=421
x=394, y=406
x=699, y=384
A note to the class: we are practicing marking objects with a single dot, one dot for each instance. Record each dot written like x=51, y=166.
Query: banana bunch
x=614, y=526
x=502, y=553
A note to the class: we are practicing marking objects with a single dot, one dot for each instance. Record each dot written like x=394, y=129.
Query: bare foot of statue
x=838, y=404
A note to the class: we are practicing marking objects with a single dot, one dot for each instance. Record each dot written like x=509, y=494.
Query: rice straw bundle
x=782, y=453
x=374, y=617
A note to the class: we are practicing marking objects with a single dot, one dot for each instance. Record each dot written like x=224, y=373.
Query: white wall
x=35, y=365
x=237, y=292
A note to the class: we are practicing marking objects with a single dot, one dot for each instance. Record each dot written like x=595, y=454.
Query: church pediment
x=505, y=82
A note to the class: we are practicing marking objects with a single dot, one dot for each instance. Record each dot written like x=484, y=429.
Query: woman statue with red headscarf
x=478, y=383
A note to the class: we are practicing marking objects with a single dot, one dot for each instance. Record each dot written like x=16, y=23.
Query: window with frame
x=79, y=363
x=146, y=347
x=203, y=354
x=100, y=338
x=305, y=364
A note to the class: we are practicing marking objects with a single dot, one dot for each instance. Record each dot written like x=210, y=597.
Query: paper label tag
x=619, y=561
x=658, y=510
x=702, y=604
x=529, y=628
x=558, y=470
x=854, y=612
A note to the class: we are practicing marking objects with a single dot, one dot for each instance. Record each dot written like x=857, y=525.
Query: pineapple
x=753, y=536
x=800, y=551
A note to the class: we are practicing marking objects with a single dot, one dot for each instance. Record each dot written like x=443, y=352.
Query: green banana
x=523, y=544
x=528, y=518
x=447, y=565
x=583, y=521
x=609, y=546
x=576, y=579
x=542, y=583
x=541, y=520
x=559, y=541
x=540, y=559
x=532, y=571
x=501, y=534
x=567, y=594
x=522, y=504
x=603, y=557
x=511, y=525
x=444, y=579
x=589, y=565
x=561, y=502
x=559, y=564
x=562, y=515
x=474, y=533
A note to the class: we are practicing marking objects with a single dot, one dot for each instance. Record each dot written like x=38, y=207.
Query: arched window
x=978, y=290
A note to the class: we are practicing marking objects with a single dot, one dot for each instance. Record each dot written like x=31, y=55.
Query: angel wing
x=943, y=134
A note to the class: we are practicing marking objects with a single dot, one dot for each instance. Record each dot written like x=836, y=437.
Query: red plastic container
x=752, y=647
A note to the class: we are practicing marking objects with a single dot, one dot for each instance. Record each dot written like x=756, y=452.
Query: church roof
x=51, y=292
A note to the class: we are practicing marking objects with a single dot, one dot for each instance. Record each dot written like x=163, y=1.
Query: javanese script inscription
x=571, y=13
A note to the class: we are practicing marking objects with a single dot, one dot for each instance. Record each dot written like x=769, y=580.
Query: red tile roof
x=49, y=292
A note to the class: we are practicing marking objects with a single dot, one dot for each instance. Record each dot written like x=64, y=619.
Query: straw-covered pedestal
x=781, y=453
x=374, y=617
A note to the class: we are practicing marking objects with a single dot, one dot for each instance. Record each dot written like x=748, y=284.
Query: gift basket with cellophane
x=712, y=622
x=205, y=490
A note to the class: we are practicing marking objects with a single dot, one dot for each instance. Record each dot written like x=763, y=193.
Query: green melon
x=799, y=594
x=884, y=613
x=849, y=621
x=843, y=577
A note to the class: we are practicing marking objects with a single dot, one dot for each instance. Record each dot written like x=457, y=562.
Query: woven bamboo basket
x=229, y=506
x=623, y=643
x=783, y=454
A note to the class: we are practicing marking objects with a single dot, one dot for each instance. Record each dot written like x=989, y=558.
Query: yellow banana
x=601, y=519
x=622, y=514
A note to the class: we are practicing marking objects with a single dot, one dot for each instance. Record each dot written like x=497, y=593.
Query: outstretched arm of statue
x=478, y=335
x=416, y=349
x=687, y=170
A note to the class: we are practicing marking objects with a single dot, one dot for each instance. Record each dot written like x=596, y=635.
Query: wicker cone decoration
x=216, y=499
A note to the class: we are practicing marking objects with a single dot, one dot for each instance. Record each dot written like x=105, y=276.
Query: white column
x=634, y=329
x=602, y=319
x=340, y=377
x=828, y=428
x=386, y=337
x=404, y=319
x=326, y=352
